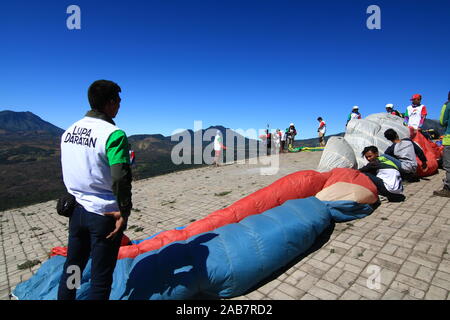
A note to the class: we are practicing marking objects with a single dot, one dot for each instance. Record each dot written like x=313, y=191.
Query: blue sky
x=241, y=64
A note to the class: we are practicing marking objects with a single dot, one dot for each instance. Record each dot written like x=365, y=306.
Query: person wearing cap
x=444, y=120
x=322, y=130
x=291, y=132
x=415, y=113
x=390, y=109
x=354, y=114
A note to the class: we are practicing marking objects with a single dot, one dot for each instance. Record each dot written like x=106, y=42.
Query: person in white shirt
x=95, y=160
x=283, y=140
x=415, y=113
x=322, y=130
x=276, y=140
x=218, y=147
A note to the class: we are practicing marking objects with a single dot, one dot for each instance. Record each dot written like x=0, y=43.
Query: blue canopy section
x=223, y=263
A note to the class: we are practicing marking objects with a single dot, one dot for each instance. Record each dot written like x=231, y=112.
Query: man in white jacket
x=96, y=171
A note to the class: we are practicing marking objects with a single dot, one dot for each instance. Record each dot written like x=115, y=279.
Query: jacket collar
x=100, y=115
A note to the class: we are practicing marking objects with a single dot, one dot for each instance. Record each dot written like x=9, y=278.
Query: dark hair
x=370, y=148
x=100, y=92
x=391, y=134
x=319, y=119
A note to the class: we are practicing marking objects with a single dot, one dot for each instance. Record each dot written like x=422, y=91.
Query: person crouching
x=384, y=174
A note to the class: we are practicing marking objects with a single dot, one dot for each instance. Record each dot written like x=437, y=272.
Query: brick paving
x=408, y=242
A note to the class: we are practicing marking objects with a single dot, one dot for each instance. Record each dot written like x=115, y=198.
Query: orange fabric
x=301, y=184
x=432, y=151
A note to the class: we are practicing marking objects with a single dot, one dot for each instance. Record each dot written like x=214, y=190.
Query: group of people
x=414, y=115
x=283, y=141
x=387, y=171
x=280, y=140
x=98, y=175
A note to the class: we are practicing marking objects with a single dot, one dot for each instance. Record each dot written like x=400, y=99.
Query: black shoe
x=445, y=192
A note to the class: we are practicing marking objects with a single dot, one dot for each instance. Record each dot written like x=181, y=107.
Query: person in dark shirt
x=390, y=109
x=291, y=132
x=405, y=150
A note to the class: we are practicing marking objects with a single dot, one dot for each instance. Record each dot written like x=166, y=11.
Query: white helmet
x=390, y=105
x=355, y=108
x=292, y=124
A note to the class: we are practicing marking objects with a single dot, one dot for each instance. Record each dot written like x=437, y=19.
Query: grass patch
x=28, y=264
x=383, y=218
x=138, y=229
x=35, y=228
x=137, y=210
x=332, y=251
x=221, y=194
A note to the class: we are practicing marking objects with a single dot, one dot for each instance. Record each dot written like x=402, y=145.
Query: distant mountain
x=26, y=124
x=30, y=156
x=314, y=142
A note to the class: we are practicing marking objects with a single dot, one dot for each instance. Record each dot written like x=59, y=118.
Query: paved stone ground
x=408, y=241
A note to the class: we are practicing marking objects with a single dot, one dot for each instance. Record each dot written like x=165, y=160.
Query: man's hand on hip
x=119, y=225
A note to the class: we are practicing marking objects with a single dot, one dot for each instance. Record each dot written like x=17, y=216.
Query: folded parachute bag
x=232, y=259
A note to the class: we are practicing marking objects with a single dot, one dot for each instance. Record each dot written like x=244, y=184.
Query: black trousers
x=87, y=238
x=393, y=197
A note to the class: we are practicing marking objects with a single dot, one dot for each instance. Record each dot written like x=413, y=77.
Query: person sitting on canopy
x=390, y=109
x=405, y=150
x=384, y=174
x=291, y=132
x=354, y=114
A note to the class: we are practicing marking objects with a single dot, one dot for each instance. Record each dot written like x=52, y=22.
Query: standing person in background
x=354, y=114
x=132, y=156
x=390, y=109
x=276, y=140
x=268, y=142
x=322, y=130
x=96, y=170
x=283, y=140
x=291, y=133
x=444, y=120
x=415, y=113
x=218, y=146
